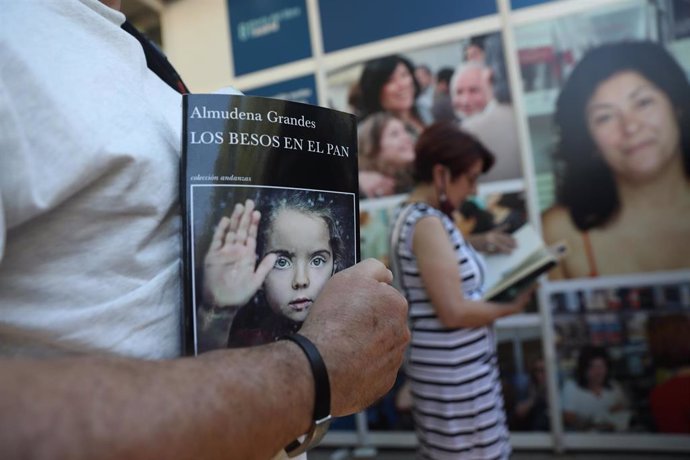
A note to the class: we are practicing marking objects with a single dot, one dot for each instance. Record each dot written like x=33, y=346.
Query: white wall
x=196, y=39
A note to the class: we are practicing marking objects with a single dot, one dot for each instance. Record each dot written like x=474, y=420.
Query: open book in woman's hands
x=509, y=274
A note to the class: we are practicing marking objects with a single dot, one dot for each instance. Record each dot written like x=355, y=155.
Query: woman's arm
x=438, y=269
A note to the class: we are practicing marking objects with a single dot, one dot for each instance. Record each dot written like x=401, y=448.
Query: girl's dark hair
x=375, y=75
x=446, y=144
x=311, y=203
x=589, y=353
x=584, y=182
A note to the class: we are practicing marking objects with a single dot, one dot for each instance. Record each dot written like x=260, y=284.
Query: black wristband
x=322, y=396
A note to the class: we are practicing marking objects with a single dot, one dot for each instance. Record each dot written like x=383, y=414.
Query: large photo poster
x=396, y=96
x=605, y=111
x=606, y=95
x=623, y=354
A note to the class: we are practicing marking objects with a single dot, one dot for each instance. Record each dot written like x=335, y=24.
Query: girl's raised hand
x=230, y=277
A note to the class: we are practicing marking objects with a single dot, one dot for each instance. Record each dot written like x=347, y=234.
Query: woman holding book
x=623, y=164
x=451, y=363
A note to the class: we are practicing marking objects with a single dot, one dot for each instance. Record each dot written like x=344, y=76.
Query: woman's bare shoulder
x=558, y=227
x=557, y=224
x=429, y=226
x=430, y=235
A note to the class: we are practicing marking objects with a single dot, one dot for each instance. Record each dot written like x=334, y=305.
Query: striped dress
x=453, y=373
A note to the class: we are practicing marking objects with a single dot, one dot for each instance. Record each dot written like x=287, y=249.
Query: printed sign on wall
x=301, y=89
x=268, y=33
x=355, y=22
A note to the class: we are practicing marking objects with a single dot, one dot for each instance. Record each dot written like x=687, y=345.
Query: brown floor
x=388, y=454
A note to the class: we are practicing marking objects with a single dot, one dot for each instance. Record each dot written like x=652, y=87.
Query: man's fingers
x=372, y=268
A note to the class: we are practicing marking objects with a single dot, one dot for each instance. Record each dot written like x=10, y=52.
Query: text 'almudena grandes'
x=236, y=114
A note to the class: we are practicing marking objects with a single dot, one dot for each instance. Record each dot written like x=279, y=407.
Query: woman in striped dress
x=451, y=365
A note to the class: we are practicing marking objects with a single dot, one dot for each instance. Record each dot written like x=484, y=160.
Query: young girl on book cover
x=298, y=241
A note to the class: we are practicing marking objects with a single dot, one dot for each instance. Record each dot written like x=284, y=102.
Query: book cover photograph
x=270, y=205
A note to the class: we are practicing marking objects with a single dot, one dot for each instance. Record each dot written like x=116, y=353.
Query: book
x=508, y=274
x=297, y=164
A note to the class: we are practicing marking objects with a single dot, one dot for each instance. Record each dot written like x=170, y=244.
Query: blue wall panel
x=301, y=89
x=347, y=23
x=516, y=4
x=267, y=33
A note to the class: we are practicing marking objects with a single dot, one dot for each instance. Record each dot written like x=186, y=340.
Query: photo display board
x=608, y=135
x=619, y=304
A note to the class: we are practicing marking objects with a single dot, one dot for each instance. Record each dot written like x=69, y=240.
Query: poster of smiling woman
x=607, y=99
x=606, y=116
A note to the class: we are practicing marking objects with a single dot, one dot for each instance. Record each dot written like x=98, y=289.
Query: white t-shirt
x=89, y=159
x=596, y=408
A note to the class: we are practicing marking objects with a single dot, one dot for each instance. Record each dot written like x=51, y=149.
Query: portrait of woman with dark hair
x=622, y=163
x=592, y=400
x=271, y=261
x=388, y=84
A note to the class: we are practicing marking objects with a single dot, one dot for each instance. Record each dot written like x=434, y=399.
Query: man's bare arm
x=244, y=403
x=105, y=407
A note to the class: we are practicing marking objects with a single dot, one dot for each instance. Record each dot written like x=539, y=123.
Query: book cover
x=508, y=274
x=294, y=163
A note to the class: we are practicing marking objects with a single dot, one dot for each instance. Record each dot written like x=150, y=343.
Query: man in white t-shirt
x=90, y=270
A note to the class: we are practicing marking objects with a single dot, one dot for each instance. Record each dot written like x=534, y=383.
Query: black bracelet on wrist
x=322, y=396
